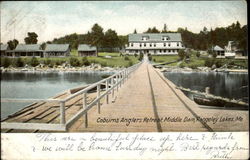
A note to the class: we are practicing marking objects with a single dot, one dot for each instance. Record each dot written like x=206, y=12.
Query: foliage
x=140, y=56
x=149, y=57
x=12, y=44
x=74, y=62
x=181, y=54
x=135, y=55
x=5, y=62
x=33, y=62
x=18, y=62
x=153, y=30
x=214, y=54
x=85, y=61
x=198, y=54
x=126, y=58
x=31, y=39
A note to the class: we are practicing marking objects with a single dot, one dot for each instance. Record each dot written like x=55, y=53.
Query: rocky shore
x=61, y=68
x=201, y=69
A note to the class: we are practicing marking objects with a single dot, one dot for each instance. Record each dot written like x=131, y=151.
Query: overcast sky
x=51, y=19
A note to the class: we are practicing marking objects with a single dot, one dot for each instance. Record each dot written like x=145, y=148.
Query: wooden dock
x=146, y=102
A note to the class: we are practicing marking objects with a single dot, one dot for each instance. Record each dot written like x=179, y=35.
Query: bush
x=150, y=58
x=214, y=54
x=198, y=54
x=103, y=64
x=74, y=62
x=126, y=58
x=136, y=55
x=140, y=56
x=85, y=61
x=5, y=62
x=18, y=62
x=181, y=54
x=218, y=63
x=130, y=63
x=33, y=62
x=209, y=62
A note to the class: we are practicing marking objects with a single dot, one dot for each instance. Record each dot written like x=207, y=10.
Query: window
x=140, y=44
x=164, y=50
x=160, y=50
x=150, y=45
x=169, y=44
x=164, y=44
x=177, y=44
x=165, y=38
x=155, y=45
x=144, y=44
x=131, y=44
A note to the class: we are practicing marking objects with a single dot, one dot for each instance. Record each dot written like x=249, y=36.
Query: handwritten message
x=216, y=145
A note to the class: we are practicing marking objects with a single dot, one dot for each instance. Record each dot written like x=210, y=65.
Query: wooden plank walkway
x=148, y=100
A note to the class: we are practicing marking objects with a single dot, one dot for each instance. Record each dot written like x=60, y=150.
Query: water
x=32, y=85
x=228, y=85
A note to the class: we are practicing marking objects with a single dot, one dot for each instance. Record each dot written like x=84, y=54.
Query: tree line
x=204, y=40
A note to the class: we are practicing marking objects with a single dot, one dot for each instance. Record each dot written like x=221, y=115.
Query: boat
x=229, y=52
x=220, y=102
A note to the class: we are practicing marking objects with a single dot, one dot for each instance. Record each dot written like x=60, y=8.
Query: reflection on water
x=40, y=85
x=229, y=85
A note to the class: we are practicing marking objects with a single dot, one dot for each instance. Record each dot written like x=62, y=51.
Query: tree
x=31, y=39
x=110, y=39
x=135, y=32
x=34, y=62
x=12, y=44
x=97, y=35
x=153, y=30
x=165, y=28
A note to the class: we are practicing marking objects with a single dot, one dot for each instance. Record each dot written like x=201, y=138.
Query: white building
x=154, y=43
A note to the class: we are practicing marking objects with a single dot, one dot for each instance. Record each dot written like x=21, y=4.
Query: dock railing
x=112, y=83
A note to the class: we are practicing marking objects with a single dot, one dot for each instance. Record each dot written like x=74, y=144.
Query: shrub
x=74, y=62
x=181, y=54
x=209, y=62
x=103, y=64
x=198, y=54
x=218, y=63
x=85, y=61
x=130, y=63
x=136, y=55
x=5, y=62
x=126, y=58
x=140, y=56
x=214, y=54
x=33, y=62
x=150, y=58
x=18, y=62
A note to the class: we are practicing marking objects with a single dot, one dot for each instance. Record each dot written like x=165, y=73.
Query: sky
x=54, y=19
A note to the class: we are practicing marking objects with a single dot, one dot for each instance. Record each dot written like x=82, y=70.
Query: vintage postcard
x=137, y=79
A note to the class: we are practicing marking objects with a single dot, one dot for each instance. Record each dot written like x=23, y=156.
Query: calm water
x=229, y=85
x=40, y=85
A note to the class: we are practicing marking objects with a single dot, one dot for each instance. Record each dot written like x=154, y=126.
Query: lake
x=228, y=85
x=35, y=85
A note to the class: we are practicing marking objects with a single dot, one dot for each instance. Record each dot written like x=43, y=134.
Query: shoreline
x=202, y=69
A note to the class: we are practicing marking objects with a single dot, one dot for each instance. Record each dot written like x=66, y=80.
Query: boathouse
x=28, y=50
x=57, y=50
x=87, y=50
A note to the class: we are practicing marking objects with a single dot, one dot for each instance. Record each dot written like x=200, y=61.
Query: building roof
x=154, y=37
x=4, y=47
x=218, y=48
x=27, y=48
x=86, y=47
x=56, y=47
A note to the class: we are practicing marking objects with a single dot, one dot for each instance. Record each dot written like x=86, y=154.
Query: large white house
x=154, y=43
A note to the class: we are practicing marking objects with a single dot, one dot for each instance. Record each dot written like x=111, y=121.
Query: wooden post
x=84, y=105
x=98, y=95
x=62, y=112
x=112, y=84
x=107, y=95
x=120, y=75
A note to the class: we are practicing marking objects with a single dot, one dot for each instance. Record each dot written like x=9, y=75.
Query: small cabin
x=4, y=48
x=219, y=51
x=87, y=50
x=57, y=50
x=28, y=50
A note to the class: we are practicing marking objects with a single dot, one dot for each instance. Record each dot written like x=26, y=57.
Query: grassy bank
x=193, y=61
x=114, y=61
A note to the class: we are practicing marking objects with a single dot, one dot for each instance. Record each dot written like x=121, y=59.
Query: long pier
x=138, y=99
